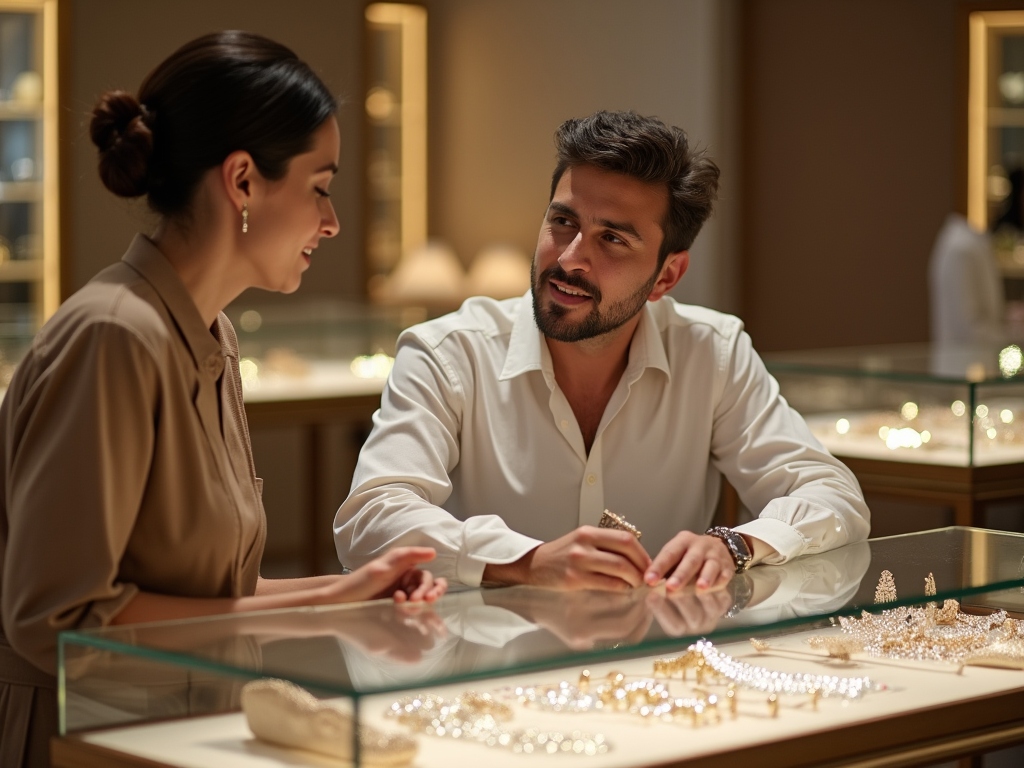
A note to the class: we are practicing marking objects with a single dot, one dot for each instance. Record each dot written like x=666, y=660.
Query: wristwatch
x=741, y=554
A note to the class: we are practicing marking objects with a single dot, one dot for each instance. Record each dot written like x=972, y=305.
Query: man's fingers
x=688, y=567
x=669, y=557
x=709, y=575
x=621, y=542
x=599, y=562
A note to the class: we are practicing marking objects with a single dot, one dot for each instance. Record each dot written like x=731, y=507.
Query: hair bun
x=120, y=129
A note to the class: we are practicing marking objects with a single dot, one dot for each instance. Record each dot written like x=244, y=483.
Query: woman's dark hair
x=220, y=93
x=650, y=151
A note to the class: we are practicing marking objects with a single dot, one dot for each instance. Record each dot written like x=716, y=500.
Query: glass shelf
x=952, y=405
x=119, y=675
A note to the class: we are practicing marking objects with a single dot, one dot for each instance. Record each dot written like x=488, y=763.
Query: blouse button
x=565, y=423
x=591, y=479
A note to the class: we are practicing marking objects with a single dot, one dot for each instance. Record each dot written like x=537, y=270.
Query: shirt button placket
x=592, y=488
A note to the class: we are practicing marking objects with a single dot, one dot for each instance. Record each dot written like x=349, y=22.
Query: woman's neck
x=202, y=258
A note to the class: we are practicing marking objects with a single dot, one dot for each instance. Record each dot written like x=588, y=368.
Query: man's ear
x=672, y=270
x=238, y=172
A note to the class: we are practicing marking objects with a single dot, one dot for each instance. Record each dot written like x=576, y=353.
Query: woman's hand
x=391, y=575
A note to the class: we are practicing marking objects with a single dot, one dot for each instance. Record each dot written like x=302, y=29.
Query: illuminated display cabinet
x=926, y=404
x=29, y=216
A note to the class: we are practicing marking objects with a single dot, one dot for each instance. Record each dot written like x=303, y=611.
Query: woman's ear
x=238, y=172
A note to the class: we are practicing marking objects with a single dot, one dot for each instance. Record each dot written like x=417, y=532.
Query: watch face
x=740, y=543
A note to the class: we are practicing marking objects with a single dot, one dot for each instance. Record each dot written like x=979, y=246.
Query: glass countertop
x=952, y=363
x=379, y=647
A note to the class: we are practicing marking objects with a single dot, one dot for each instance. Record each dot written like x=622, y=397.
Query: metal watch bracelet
x=736, y=544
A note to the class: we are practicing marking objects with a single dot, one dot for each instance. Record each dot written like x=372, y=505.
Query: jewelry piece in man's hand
x=611, y=520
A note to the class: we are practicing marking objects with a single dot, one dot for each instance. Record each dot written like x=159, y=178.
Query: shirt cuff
x=485, y=540
x=786, y=540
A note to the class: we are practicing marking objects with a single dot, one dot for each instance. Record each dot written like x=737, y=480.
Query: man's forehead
x=596, y=193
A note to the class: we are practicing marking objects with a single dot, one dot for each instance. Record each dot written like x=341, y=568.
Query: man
x=506, y=428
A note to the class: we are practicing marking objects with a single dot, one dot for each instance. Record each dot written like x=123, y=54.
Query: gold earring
x=245, y=218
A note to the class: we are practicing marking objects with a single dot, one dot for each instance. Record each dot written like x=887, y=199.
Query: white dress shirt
x=475, y=450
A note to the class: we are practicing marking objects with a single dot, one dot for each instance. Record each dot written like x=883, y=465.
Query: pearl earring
x=245, y=218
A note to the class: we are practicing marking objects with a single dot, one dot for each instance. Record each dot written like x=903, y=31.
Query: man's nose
x=575, y=256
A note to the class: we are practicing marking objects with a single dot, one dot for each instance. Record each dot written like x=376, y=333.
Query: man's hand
x=586, y=558
x=690, y=556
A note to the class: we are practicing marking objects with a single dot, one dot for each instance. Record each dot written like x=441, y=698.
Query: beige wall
x=850, y=141
x=504, y=75
x=114, y=43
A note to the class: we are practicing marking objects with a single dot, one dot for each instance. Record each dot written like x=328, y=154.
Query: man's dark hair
x=650, y=151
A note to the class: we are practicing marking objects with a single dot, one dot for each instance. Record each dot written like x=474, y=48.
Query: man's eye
x=562, y=221
x=322, y=192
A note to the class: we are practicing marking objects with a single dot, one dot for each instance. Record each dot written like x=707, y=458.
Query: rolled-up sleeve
x=403, y=476
x=807, y=500
x=79, y=445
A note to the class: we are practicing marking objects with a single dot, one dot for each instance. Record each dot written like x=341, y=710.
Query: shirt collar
x=647, y=349
x=526, y=348
x=528, y=352
x=148, y=261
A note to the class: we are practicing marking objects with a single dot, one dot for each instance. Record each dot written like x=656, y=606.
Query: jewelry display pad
x=921, y=702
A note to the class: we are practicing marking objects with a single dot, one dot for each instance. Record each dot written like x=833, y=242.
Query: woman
x=129, y=490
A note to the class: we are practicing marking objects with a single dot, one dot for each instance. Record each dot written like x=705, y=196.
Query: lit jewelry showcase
x=512, y=676
x=927, y=404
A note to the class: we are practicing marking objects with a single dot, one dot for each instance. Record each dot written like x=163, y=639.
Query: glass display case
x=316, y=349
x=29, y=215
x=175, y=688
x=957, y=406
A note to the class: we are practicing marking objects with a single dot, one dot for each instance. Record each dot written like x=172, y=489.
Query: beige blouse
x=125, y=460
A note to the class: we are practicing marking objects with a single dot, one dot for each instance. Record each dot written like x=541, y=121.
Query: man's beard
x=552, y=319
